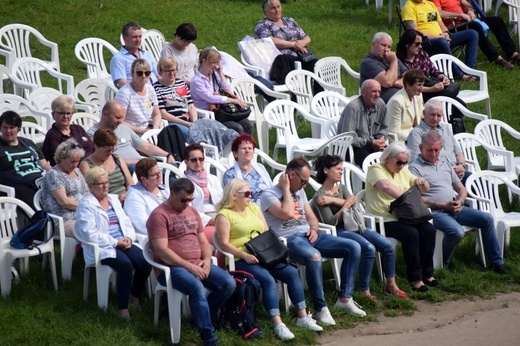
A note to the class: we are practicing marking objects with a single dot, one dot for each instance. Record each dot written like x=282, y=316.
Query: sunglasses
x=195, y=159
x=186, y=200
x=302, y=181
x=140, y=73
x=105, y=183
x=400, y=163
x=418, y=44
x=75, y=146
x=247, y=194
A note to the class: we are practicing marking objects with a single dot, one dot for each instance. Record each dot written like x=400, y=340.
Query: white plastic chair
x=32, y=131
x=449, y=103
x=42, y=98
x=151, y=136
x=513, y=7
x=370, y=160
x=153, y=41
x=10, y=102
x=444, y=63
x=8, y=227
x=84, y=120
x=167, y=171
x=330, y=70
x=327, y=105
x=15, y=43
x=331, y=127
x=353, y=178
x=6, y=78
x=91, y=52
x=338, y=145
x=484, y=187
x=95, y=92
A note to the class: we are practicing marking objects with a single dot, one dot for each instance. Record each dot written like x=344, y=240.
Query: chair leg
x=174, y=312
x=103, y=273
x=438, y=255
x=67, y=258
x=336, y=269
x=5, y=275
x=53, y=270
x=379, y=267
x=157, y=307
x=479, y=247
x=86, y=279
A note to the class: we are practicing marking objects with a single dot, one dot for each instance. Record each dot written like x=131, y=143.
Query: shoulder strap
x=118, y=163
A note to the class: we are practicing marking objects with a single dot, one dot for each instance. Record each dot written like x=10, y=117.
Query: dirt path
x=465, y=322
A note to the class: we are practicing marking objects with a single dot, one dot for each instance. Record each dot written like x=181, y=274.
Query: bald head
x=113, y=114
x=370, y=92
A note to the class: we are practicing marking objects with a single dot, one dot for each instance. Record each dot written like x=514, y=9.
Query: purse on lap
x=409, y=207
x=267, y=247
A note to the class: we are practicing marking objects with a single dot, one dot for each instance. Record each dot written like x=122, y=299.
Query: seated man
x=383, y=66
x=460, y=11
x=451, y=151
x=287, y=211
x=121, y=62
x=177, y=240
x=446, y=198
x=112, y=117
x=422, y=15
x=366, y=116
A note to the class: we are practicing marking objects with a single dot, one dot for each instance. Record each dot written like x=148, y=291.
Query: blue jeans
x=203, y=308
x=450, y=225
x=370, y=241
x=284, y=272
x=310, y=254
x=125, y=263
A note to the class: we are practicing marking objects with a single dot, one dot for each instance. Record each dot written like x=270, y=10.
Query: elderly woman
x=404, y=109
x=182, y=49
x=146, y=195
x=105, y=141
x=62, y=111
x=206, y=84
x=329, y=203
x=139, y=100
x=64, y=185
x=100, y=219
x=174, y=97
x=243, y=148
x=21, y=161
x=236, y=218
x=385, y=182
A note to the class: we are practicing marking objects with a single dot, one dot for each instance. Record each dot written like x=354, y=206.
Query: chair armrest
x=205, y=114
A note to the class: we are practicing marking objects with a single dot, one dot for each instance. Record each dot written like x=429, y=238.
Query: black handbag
x=231, y=112
x=451, y=91
x=409, y=207
x=268, y=248
x=307, y=57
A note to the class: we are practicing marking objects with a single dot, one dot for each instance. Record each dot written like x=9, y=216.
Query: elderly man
x=366, y=116
x=446, y=198
x=112, y=117
x=423, y=16
x=122, y=60
x=177, y=240
x=383, y=66
x=451, y=151
x=288, y=212
x=460, y=11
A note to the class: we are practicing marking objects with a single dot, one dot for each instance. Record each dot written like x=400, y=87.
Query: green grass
x=35, y=314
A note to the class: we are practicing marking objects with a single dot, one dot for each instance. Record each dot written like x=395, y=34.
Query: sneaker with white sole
x=309, y=323
x=283, y=332
x=324, y=317
x=351, y=306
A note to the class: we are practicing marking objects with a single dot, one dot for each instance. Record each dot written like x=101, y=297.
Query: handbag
x=409, y=207
x=231, y=112
x=451, y=90
x=307, y=57
x=353, y=219
x=267, y=247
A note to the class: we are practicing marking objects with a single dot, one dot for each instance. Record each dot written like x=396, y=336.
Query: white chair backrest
x=151, y=136
x=370, y=160
x=95, y=92
x=330, y=70
x=92, y=52
x=9, y=215
x=301, y=84
x=328, y=104
x=42, y=98
x=84, y=120
x=331, y=127
x=10, y=102
x=352, y=178
x=32, y=131
x=153, y=41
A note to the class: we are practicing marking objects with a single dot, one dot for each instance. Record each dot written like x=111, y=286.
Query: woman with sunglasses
x=387, y=181
x=329, y=202
x=143, y=197
x=236, y=218
x=63, y=185
x=139, y=100
x=105, y=141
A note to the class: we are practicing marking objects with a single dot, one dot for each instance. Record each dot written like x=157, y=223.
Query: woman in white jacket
x=101, y=220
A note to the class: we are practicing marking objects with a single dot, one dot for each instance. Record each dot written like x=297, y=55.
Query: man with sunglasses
x=446, y=198
x=177, y=240
x=122, y=60
x=287, y=211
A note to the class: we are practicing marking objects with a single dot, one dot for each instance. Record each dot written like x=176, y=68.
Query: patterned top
x=174, y=99
x=116, y=178
x=255, y=181
x=291, y=31
x=75, y=188
x=423, y=63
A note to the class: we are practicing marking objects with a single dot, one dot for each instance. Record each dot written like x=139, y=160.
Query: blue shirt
x=121, y=64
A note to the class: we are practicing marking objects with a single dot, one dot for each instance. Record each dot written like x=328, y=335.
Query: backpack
x=172, y=140
x=238, y=313
x=26, y=237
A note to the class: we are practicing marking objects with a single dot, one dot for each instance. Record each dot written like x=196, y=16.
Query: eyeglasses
x=302, y=181
x=170, y=71
x=195, y=159
x=186, y=200
x=247, y=194
x=156, y=175
x=75, y=146
x=108, y=149
x=104, y=183
x=400, y=163
x=62, y=114
x=140, y=73
x=418, y=44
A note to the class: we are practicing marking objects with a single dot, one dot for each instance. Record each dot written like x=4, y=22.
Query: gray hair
x=366, y=84
x=380, y=34
x=60, y=102
x=431, y=105
x=68, y=149
x=94, y=174
x=431, y=136
x=394, y=149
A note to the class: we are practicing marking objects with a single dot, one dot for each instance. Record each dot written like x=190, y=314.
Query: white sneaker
x=283, y=332
x=352, y=307
x=309, y=323
x=324, y=317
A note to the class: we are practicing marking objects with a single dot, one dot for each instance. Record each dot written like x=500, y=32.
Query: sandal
x=515, y=58
x=369, y=296
x=468, y=78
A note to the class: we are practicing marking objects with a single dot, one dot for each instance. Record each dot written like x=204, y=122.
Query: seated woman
x=236, y=218
x=139, y=100
x=182, y=49
x=206, y=84
x=254, y=173
x=105, y=141
x=21, y=161
x=329, y=202
x=63, y=185
x=385, y=182
x=404, y=110
x=100, y=219
x=174, y=97
x=61, y=130
x=146, y=195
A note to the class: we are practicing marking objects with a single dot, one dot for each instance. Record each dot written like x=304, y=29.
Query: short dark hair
x=413, y=76
x=130, y=25
x=186, y=31
x=11, y=118
x=297, y=164
x=143, y=166
x=182, y=184
x=192, y=147
x=322, y=162
x=104, y=138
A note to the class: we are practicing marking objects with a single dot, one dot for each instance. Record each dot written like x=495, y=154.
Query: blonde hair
x=94, y=174
x=228, y=201
x=209, y=54
x=165, y=62
x=140, y=63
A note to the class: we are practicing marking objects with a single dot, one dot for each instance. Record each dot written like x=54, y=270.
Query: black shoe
x=433, y=283
x=421, y=289
x=500, y=269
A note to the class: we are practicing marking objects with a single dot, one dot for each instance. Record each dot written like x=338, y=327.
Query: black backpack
x=238, y=313
x=26, y=237
x=172, y=140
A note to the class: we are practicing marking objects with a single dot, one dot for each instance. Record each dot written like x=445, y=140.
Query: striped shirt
x=174, y=99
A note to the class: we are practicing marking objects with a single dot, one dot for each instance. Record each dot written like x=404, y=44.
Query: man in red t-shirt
x=177, y=240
